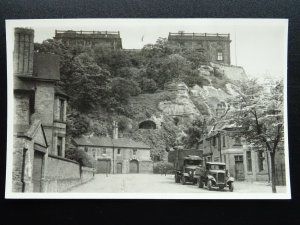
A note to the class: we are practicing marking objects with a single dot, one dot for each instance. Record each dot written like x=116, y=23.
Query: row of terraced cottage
x=39, y=132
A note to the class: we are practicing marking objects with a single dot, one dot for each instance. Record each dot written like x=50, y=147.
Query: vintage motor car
x=214, y=174
x=186, y=173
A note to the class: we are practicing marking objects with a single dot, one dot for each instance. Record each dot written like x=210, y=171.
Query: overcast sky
x=258, y=45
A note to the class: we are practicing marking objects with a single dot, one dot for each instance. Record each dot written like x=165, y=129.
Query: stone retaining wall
x=62, y=174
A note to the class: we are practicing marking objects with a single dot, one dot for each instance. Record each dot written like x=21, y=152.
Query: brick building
x=216, y=47
x=223, y=143
x=116, y=155
x=39, y=120
x=106, y=39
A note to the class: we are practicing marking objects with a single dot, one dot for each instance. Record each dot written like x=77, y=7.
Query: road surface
x=156, y=183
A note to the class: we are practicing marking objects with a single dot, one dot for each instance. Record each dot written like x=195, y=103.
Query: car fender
x=230, y=179
x=210, y=177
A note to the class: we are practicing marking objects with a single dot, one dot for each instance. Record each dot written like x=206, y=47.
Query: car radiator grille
x=221, y=177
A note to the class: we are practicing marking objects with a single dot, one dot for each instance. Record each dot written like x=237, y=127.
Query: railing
x=182, y=34
x=87, y=32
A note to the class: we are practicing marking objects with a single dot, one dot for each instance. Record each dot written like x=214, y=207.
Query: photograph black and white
x=147, y=108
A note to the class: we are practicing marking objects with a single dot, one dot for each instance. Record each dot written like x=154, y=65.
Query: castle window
x=119, y=151
x=220, y=56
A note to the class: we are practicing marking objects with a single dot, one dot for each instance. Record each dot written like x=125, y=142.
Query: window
x=119, y=151
x=61, y=109
x=261, y=159
x=134, y=151
x=220, y=56
x=214, y=141
x=104, y=151
x=224, y=141
x=238, y=158
x=237, y=141
x=249, y=161
x=208, y=159
x=59, y=146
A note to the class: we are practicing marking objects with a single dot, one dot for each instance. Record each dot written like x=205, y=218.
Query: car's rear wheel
x=231, y=187
x=200, y=183
x=209, y=184
x=183, y=180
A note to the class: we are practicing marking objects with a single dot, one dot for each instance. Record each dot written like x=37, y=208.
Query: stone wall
x=63, y=174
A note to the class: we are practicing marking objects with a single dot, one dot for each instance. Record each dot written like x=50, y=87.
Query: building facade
x=116, y=155
x=223, y=143
x=106, y=39
x=216, y=47
x=39, y=113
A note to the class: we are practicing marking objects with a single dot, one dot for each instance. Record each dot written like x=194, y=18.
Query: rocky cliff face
x=180, y=104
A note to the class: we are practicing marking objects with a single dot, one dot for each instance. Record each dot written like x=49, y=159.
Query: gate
x=119, y=167
x=37, y=171
x=103, y=166
x=134, y=166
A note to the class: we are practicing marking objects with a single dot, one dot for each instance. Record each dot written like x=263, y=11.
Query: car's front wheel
x=209, y=185
x=200, y=183
x=231, y=187
x=183, y=180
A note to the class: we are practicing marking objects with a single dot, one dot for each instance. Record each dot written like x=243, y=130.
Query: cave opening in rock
x=148, y=124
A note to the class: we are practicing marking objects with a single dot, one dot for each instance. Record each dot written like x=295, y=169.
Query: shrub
x=79, y=156
x=159, y=167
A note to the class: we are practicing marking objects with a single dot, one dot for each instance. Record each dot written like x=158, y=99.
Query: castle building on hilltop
x=216, y=47
x=106, y=39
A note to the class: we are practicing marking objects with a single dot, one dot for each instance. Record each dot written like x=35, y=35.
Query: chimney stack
x=23, y=51
x=115, y=130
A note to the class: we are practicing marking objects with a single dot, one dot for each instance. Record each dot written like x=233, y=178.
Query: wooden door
x=37, y=171
x=239, y=168
x=134, y=166
x=119, y=167
x=103, y=166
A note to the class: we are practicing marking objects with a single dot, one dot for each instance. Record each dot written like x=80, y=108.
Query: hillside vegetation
x=127, y=86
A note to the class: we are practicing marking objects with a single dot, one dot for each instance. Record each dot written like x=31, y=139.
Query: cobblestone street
x=155, y=183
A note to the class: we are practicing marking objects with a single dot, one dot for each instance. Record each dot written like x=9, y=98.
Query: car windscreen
x=193, y=162
x=217, y=167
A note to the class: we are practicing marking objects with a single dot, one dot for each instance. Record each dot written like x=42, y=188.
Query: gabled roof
x=93, y=141
x=109, y=142
x=129, y=143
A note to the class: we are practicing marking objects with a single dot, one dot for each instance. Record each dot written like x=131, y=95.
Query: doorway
x=37, y=171
x=134, y=166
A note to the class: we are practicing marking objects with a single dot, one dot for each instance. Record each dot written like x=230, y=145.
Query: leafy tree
x=260, y=114
x=79, y=156
x=194, y=133
x=77, y=124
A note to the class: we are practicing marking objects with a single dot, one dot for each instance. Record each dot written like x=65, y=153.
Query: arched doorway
x=134, y=166
x=147, y=124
